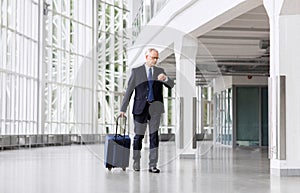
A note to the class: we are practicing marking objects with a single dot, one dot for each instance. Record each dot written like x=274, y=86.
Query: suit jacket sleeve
x=129, y=91
x=169, y=83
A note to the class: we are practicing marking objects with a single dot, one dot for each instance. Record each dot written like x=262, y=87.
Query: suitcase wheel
x=124, y=169
x=109, y=168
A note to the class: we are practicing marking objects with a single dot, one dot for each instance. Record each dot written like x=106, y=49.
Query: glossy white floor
x=80, y=169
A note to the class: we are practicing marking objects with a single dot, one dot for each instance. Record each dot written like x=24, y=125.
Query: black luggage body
x=117, y=149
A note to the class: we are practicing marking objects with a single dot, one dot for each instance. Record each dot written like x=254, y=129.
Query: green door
x=264, y=117
x=247, y=116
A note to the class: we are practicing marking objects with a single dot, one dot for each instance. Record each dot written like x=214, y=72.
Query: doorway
x=251, y=116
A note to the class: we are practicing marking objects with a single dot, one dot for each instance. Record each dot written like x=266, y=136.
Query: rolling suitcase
x=117, y=149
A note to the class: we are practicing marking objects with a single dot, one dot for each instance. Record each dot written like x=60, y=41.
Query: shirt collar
x=147, y=68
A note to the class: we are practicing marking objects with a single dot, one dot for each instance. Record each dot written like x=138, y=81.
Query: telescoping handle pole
x=117, y=124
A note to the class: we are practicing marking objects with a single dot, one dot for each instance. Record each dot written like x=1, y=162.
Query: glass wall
x=223, y=117
x=18, y=67
x=250, y=126
x=207, y=110
x=112, y=42
x=69, y=66
x=168, y=120
x=146, y=10
x=62, y=65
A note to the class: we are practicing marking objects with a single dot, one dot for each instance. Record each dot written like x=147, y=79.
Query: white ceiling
x=232, y=49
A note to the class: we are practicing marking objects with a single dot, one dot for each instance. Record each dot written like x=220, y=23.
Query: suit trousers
x=140, y=125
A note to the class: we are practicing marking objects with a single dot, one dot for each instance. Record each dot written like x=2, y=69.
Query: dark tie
x=150, y=83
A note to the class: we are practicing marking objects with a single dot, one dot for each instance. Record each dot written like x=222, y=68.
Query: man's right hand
x=122, y=114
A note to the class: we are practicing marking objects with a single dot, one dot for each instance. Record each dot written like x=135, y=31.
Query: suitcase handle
x=117, y=124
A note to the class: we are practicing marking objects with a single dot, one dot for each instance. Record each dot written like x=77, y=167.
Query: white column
x=43, y=10
x=95, y=69
x=284, y=93
x=185, y=49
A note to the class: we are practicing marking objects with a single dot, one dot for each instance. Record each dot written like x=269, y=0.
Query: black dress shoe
x=154, y=170
x=136, y=166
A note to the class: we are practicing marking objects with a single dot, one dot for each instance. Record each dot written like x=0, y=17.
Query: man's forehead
x=154, y=52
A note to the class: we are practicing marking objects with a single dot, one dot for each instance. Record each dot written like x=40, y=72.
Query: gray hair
x=149, y=50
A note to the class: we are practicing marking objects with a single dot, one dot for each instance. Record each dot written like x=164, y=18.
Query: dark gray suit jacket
x=138, y=82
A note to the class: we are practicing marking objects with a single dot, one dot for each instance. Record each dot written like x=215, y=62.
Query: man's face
x=152, y=58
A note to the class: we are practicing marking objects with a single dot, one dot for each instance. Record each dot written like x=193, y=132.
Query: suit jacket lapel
x=143, y=74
